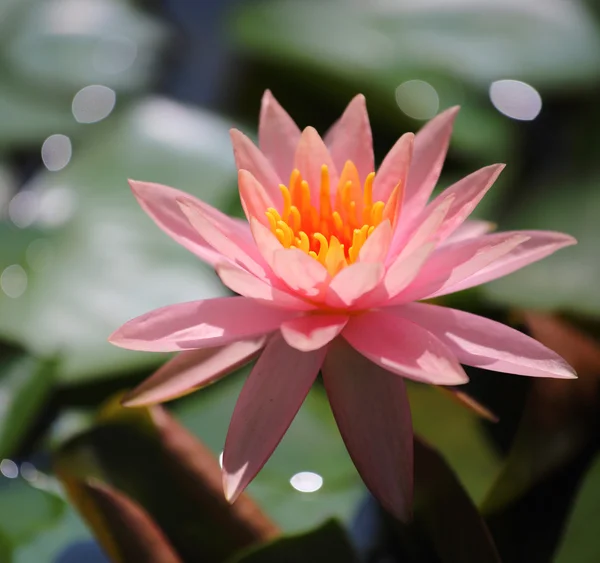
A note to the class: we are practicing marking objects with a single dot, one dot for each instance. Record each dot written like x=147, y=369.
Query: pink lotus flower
x=330, y=268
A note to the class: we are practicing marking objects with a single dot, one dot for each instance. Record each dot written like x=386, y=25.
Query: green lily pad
x=24, y=386
x=51, y=49
x=26, y=510
x=545, y=42
x=56, y=536
x=580, y=539
x=311, y=444
x=99, y=260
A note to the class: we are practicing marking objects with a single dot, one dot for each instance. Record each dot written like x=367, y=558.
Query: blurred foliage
x=87, y=259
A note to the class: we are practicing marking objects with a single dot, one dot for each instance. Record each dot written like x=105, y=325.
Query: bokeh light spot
x=13, y=281
x=93, y=103
x=9, y=468
x=57, y=205
x=29, y=472
x=417, y=99
x=23, y=209
x=516, y=99
x=56, y=152
x=306, y=482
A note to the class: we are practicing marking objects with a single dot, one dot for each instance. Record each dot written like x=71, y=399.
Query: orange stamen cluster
x=332, y=230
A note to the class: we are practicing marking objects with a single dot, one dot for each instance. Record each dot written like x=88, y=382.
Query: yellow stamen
x=330, y=229
x=287, y=202
x=323, y=247
x=325, y=199
x=377, y=213
x=296, y=218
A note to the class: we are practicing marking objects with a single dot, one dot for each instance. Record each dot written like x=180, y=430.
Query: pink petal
x=199, y=324
x=404, y=270
x=350, y=138
x=403, y=347
x=246, y=284
x=248, y=157
x=189, y=371
x=372, y=411
x=311, y=332
x=239, y=250
x=539, y=245
x=254, y=197
x=394, y=168
x=300, y=272
x=407, y=241
x=265, y=408
x=480, y=342
x=161, y=203
x=468, y=193
x=451, y=265
x=351, y=283
x=266, y=242
x=431, y=145
x=311, y=155
x=470, y=229
x=377, y=245
x=278, y=135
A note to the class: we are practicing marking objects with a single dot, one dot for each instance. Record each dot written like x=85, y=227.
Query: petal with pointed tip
x=253, y=196
x=350, y=138
x=311, y=332
x=238, y=250
x=468, y=193
x=161, y=204
x=199, y=324
x=372, y=411
x=403, y=347
x=311, y=155
x=248, y=157
x=394, y=168
x=450, y=266
x=431, y=146
x=538, y=245
x=268, y=402
x=480, y=342
x=278, y=135
x=189, y=371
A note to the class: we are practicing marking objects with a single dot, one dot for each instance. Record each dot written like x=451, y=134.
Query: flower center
x=332, y=232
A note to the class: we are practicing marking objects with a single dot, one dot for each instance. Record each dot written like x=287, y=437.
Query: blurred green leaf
x=68, y=44
x=26, y=510
x=24, y=386
x=50, y=542
x=53, y=48
x=326, y=544
x=453, y=526
x=99, y=260
x=169, y=474
x=545, y=42
x=312, y=443
x=447, y=528
x=567, y=280
x=580, y=541
x=458, y=435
